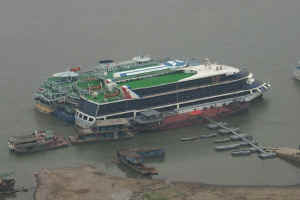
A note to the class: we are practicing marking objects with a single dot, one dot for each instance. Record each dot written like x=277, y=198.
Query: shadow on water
x=260, y=104
x=44, y=120
x=296, y=82
x=7, y=196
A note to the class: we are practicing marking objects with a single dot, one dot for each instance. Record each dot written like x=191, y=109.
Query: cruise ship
x=125, y=89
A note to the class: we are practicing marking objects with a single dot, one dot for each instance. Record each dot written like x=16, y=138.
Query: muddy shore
x=86, y=182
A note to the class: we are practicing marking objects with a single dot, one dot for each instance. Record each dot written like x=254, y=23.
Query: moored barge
x=7, y=184
x=39, y=140
x=134, y=159
x=103, y=130
x=150, y=120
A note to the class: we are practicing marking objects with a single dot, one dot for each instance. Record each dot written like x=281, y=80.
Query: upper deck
x=106, y=81
x=167, y=73
x=152, y=81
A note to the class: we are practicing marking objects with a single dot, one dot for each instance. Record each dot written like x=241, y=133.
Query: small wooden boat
x=212, y=126
x=241, y=153
x=222, y=140
x=244, y=143
x=238, y=137
x=222, y=123
x=185, y=139
x=268, y=155
x=216, y=125
x=224, y=131
x=254, y=150
x=227, y=147
x=208, y=136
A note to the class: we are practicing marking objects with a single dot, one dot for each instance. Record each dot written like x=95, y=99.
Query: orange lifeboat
x=75, y=69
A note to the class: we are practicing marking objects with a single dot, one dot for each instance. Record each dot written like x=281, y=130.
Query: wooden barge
x=103, y=130
x=134, y=159
x=39, y=140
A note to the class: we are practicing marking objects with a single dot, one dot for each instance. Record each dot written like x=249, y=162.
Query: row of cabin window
x=108, y=128
x=90, y=108
x=168, y=99
x=216, y=99
x=173, y=86
x=188, y=84
x=191, y=104
x=84, y=117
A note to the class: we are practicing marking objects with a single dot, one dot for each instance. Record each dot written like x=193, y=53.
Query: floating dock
x=263, y=153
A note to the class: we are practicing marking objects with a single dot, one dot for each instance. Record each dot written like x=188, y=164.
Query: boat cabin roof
x=112, y=122
x=23, y=140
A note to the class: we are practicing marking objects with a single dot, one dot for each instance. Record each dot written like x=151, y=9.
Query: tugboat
x=103, y=130
x=7, y=184
x=39, y=140
x=134, y=159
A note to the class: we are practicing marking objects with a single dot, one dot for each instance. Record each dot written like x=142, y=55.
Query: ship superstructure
x=172, y=84
x=65, y=88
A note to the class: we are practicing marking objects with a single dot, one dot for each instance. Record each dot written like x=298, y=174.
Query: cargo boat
x=39, y=140
x=150, y=120
x=103, y=130
x=134, y=159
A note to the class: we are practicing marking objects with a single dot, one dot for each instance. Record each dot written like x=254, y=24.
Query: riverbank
x=86, y=182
